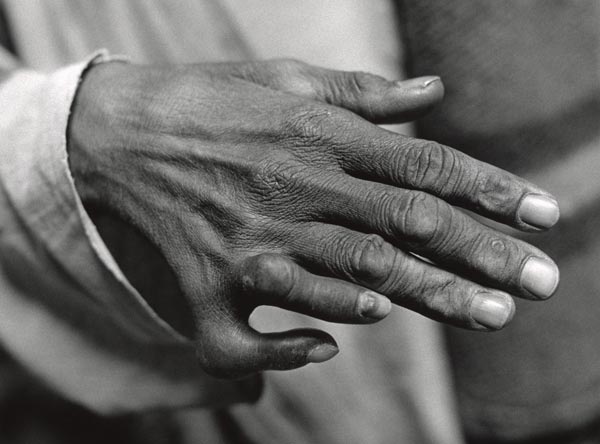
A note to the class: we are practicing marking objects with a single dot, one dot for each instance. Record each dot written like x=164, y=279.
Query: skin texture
x=268, y=183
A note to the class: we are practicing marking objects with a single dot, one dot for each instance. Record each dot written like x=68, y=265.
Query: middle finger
x=428, y=226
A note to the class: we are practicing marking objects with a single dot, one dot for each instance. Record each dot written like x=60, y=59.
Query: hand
x=268, y=183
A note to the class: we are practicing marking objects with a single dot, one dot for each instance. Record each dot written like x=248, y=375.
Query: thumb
x=371, y=96
x=228, y=350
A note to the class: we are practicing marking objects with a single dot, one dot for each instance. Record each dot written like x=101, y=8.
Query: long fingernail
x=492, y=310
x=540, y=277
x=418, y=82
x=539, y=210
x=373, y=305
x=322, y=353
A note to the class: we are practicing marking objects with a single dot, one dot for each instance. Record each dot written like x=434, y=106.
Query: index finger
x=382, y=156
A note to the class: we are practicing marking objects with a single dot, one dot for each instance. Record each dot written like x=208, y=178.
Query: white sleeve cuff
x=67, y=312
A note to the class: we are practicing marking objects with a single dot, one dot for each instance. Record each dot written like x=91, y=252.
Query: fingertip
x=407, y=100
x=418, y=82
x=429, y=88
x=322, y=353
x=539, y=211
x=374, y=306
x=540, y=277
x=296, y=348
x=492, y=310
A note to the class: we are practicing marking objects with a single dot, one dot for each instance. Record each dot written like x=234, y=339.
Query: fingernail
x=322, y=353
x=418, y=82
x=427, y=81
x=374, y=306
x=540, y=277
x=539, y=210
x=492, y=310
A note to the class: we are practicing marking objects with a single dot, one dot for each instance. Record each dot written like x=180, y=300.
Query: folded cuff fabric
x=66, y=310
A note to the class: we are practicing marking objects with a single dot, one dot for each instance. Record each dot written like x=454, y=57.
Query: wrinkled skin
x=269, y=183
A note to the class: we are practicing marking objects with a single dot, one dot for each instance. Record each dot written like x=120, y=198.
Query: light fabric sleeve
x=67, y=312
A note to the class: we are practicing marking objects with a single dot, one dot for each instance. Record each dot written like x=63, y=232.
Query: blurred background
x=521, y=81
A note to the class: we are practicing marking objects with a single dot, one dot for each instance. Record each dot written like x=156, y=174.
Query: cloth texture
x=59, y=277
x=523, y=92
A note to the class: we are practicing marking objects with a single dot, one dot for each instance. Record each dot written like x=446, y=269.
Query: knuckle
x=446, y=297
x=348, y=84
x=371, y=259
x=284, y=187
x=276, y=177
x=430, y=165
x=422, y=159
x=267, y=274
x=357, y=81
x=419, y=217
x=458, y=303
x=307, y=123
x=452, y=300
x=492, y=191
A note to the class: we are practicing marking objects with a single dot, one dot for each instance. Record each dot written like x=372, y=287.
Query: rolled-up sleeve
x=67, y=312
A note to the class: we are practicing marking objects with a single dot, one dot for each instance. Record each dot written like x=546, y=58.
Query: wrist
x=94, y=113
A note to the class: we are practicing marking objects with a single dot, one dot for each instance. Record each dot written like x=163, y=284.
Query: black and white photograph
x=299, y=221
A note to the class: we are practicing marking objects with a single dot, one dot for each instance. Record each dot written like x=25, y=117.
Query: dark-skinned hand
x=270, y=183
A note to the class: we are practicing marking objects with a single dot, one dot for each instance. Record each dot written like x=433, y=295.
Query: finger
x=276, y=280
x=370, y=261
x=429, y=227
x=371, y=96
x=377, y=155
x=228, y=347
x=233, y=349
